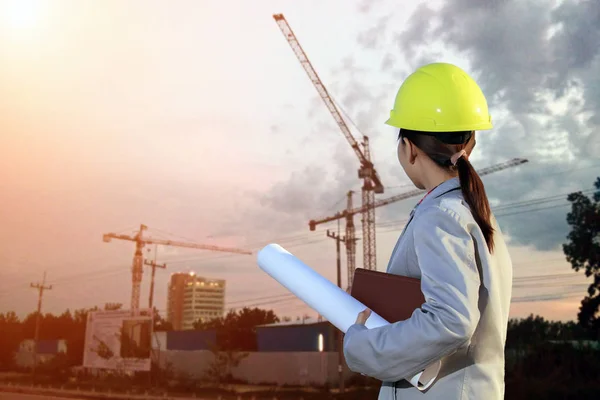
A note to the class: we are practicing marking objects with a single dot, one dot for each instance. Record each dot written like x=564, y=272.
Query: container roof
x=308, y=321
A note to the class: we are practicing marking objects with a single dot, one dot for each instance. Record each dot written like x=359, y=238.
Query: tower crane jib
x=138, y=258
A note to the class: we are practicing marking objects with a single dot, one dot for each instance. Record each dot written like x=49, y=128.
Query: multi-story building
x=192, y=298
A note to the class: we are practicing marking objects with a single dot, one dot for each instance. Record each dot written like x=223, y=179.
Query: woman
x=454, y=343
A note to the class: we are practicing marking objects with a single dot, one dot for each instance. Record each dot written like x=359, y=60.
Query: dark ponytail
x=475, y=196
x=440, y=147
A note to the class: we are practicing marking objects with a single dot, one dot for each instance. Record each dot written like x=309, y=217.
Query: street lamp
x=321, y=343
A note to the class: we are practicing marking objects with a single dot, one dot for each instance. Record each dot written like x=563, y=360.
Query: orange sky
x=186, y=118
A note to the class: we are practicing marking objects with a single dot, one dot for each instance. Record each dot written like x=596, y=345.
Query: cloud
x=576, y=44
x=388, y=62
x=415, y=33
x=371, y=38
x=540, y=69
x=365, y=6
x=539, y=66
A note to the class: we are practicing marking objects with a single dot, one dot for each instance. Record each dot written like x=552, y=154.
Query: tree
x=220, y=369
x=161, y=324
x=237, y=330
x=583, y=251
x=10, y=337
x=113, y=306
x=76, y=334
x=535, y=330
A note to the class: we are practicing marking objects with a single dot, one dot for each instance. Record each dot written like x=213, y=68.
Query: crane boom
x=314, y=77
x=179, y=244
x=402, y=196
x=371, y=181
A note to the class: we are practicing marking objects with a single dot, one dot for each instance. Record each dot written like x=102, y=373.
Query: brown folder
x=393, y=297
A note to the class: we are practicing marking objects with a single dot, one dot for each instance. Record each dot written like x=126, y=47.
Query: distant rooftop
x=308, y=321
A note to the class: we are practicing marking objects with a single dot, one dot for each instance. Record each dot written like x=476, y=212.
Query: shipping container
x=191, y=340
x=296, y=337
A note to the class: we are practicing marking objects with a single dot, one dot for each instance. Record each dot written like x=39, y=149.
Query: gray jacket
x=464, y=319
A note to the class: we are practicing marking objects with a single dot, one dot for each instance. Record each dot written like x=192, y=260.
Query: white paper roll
x=330, y=301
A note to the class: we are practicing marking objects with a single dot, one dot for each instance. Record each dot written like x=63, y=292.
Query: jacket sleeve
x=450, y=283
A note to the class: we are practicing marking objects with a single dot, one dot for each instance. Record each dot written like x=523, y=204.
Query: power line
x=562, y=285
x=508, y=214
x=337, y=203
x=540, y=200
x=74, y=278
x=545, y=297
x=547, y=276
x=260, y=298
x=518, y=204
x=303, y=239
x=290, y=298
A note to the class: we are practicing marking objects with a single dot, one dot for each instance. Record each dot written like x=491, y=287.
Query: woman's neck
x=436, y=178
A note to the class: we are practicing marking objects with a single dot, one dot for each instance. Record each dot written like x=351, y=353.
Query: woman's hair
x=440, y=146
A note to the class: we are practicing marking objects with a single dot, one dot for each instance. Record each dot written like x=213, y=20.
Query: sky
x=196, y=119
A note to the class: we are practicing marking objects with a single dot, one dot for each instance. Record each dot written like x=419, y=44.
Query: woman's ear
x=411, y=150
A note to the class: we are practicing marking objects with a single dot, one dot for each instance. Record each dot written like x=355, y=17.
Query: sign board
x=118, y=340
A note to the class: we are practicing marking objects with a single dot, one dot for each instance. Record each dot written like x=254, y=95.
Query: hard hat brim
x=483, y=126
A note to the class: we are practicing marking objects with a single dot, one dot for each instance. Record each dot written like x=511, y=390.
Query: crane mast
x=138, y=258
x=368, y=216
x=371, y=181
x=350, y=241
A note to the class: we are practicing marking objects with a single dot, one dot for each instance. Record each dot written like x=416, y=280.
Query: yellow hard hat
x=440, y=97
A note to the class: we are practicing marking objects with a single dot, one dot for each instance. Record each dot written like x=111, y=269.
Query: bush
x=555, y=371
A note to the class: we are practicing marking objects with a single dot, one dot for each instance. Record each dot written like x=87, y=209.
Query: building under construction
x=192, y=298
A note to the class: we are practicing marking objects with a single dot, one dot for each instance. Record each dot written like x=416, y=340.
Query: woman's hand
x=363, y=317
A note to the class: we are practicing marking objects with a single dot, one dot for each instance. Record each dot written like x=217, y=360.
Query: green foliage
x=535, y=330
x=237, y=330
x=113, y=306
x=69, y=326
x=161, y=324
x=57, y=367
x=583, y=252
x=555, y=371
x=10, y=329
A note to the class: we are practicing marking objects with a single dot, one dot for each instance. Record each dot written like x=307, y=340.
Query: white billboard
x=118, y=340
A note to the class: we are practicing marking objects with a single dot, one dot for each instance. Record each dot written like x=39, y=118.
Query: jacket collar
x=447, y=186
x=443, y=188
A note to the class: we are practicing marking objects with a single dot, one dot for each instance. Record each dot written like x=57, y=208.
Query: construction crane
x=138, y=259
x=349, y=212
x=371, y=181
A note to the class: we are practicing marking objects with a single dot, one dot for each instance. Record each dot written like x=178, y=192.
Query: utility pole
x=154, y=265
x=40, y=287
x=339, y=240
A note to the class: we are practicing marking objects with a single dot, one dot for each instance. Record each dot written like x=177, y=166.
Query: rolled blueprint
x=330, y=301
